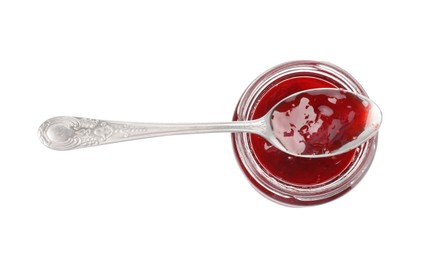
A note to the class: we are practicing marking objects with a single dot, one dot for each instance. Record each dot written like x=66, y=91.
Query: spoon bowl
x=322, y=122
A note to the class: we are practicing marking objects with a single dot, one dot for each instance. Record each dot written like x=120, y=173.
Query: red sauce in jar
x=287, y=168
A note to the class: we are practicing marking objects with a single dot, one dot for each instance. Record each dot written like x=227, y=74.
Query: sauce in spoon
x=322, y=121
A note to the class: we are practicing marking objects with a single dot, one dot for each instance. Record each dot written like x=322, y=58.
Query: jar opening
x=296, y=181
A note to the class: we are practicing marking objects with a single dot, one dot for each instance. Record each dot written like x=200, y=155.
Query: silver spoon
x=67, y=133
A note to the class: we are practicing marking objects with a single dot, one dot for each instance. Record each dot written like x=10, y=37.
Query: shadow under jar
x=283, y=178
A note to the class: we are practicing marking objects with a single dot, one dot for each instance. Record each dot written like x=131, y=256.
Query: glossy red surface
x=284, y=167
x=319, y=122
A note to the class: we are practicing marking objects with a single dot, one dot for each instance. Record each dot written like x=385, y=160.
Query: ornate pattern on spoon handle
x=66, y=133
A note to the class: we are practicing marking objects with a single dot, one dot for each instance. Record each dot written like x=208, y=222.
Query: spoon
x=313, y=123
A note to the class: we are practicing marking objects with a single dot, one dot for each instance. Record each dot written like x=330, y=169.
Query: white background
x=185, y=197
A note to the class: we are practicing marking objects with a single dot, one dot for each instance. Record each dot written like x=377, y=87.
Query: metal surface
x=67, y=133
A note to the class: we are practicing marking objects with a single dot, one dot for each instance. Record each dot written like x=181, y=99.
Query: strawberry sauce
x=304, y=171
x=319, y=122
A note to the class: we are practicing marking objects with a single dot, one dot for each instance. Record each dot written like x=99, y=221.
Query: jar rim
x=268, y=185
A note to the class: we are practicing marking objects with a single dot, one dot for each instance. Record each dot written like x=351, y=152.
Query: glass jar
x=262, y=174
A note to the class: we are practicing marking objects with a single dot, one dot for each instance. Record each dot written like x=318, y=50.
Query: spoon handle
x=67, y=133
